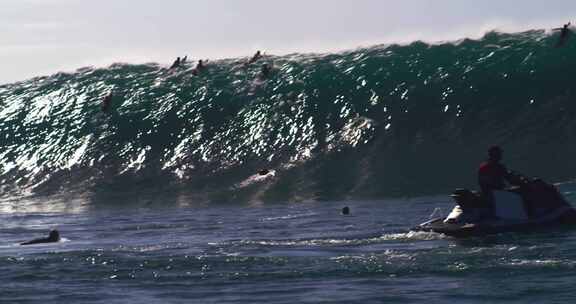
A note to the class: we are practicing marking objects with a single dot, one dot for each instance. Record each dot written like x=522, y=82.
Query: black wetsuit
x=54, y=237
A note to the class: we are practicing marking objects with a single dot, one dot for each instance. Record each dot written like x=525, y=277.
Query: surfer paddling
x=200, y=66
x=53, y=237
x=255, y=58
x=176, y=63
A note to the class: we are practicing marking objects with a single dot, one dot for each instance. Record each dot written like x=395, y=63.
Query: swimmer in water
x=106, y=102
x=176, y=63
x=345, y=210
x=53, y=237
x=564, y=34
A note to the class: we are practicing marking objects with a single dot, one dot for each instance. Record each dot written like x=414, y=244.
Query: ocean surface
x=225, y=186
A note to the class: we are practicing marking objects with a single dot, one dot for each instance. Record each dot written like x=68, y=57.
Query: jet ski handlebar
x=518, y=179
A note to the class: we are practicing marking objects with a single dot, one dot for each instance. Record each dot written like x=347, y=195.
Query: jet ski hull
x=564, y=216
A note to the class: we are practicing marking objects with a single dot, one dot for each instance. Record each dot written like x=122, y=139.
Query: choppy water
x=303, y=253
x=159, y=200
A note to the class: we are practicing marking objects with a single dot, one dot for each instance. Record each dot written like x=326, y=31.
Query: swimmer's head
x=345, y=210
x=54, y=235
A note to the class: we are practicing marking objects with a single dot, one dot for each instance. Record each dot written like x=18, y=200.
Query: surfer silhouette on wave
x=564, y=34
x=106, y=102
x=255, y=58
x=176, y=63
x=200, y=66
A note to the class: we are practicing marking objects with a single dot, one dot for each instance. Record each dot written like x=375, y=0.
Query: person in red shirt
x=492, y=175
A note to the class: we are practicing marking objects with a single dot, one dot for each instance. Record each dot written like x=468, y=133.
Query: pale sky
x=41, y=37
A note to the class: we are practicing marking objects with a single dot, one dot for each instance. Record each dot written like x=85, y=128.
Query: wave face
x=371, y=123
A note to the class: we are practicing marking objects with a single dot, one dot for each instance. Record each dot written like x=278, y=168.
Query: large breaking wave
x=376, y=122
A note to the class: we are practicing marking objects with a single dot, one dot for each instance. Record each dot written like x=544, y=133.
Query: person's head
x=54, y=235
x=495, y=153
x=345, y=210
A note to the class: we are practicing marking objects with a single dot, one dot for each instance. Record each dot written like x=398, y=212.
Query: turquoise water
x=397, y=116
x=160, y=200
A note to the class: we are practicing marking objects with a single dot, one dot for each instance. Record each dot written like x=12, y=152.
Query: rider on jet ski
x=492, y=174
x=529, y=204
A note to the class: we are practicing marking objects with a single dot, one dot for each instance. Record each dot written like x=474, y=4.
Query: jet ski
x=532, y=205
